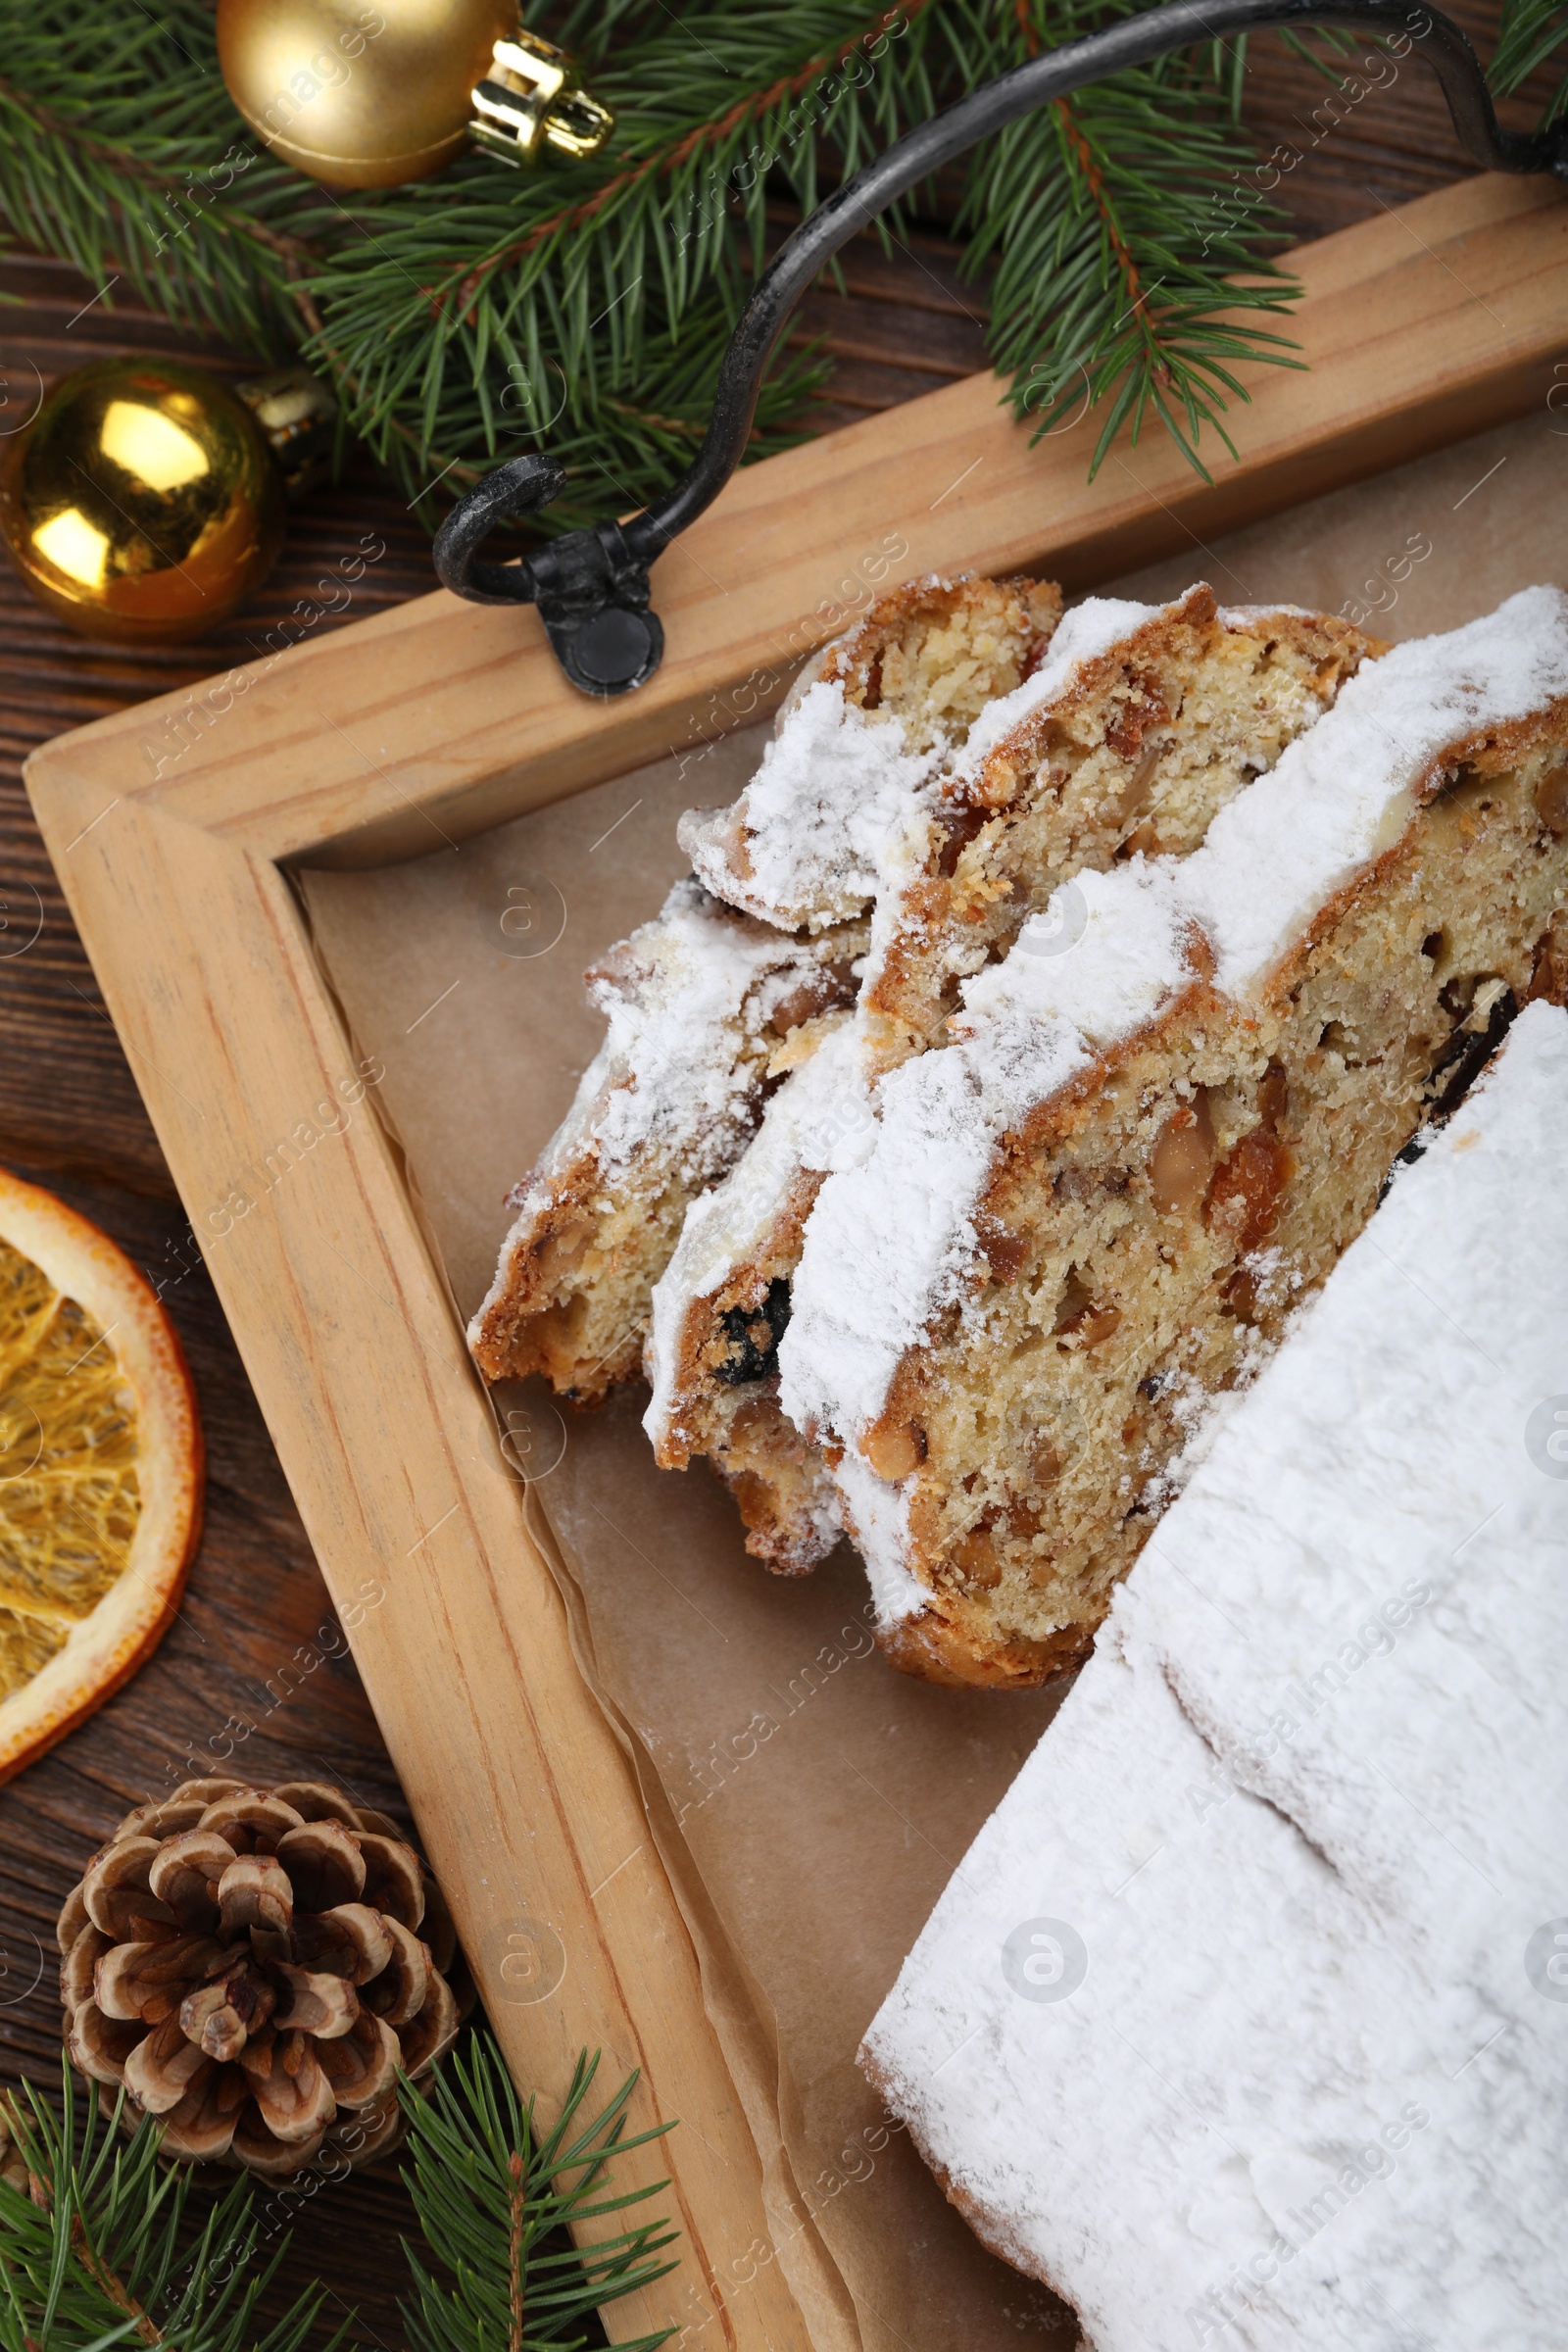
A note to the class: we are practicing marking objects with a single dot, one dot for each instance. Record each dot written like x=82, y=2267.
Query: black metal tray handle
x=592, y=587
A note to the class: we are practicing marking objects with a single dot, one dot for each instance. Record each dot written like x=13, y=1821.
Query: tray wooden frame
x=1421, y=325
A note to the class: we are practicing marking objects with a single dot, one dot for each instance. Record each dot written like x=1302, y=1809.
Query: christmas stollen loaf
x=1239, y=2023
x=1081, y=1219
x=1138, y=723
x=710, y=1004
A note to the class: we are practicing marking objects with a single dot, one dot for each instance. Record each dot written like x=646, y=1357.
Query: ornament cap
x=531, y=100
x=298, y=414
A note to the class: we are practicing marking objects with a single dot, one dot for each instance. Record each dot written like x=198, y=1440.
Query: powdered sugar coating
x=818, y=1109
x=832, y=782
x=838, y=787
x=679, y=998
x=876, y=1520
x=1104, y=954
x=1339, y=794
x=1437, y=1351
x=1294, y=837
x=891, y=1240
x=1288, y=2065
x=888, y=1243
x=1090, y=630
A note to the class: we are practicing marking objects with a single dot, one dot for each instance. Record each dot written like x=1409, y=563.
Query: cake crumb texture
x=858, y=740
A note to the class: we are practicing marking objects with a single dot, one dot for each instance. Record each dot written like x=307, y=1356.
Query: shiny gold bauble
x=360, y=96
x=142, y=503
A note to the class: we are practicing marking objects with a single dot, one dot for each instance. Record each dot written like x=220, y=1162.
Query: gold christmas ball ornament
x=373, y=96
x=143, y=502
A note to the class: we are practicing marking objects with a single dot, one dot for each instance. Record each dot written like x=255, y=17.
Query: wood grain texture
x=168, y=834
x=529, y=1807
x=903, y=324
x=229, y=1688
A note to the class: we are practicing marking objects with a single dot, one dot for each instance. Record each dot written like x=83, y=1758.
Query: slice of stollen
x=722, y=1304
x=1140, y=722
x=1083, y=1218
x=1240, y=2022
x=865, y=728
x=1164, y=713
x=704, y=1007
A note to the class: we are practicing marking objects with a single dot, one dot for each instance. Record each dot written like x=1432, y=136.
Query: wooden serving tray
x=172, y=828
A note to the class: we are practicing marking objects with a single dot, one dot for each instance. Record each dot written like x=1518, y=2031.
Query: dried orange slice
x=101, y=1470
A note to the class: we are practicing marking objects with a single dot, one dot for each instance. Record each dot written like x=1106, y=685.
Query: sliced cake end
x=706, y=1008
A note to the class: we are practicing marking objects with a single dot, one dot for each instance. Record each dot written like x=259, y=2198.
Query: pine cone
x=246, y=1963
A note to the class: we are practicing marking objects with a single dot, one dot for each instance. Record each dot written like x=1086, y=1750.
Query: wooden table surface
x=72, y=1117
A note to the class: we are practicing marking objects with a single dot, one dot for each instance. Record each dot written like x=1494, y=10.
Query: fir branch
x=585, y=309
x=494, y=2199
x=1529, y=34
x=115, y=139
x=1121, y=284
x=100, y=2247
x=712, y=139
x=98, y=2250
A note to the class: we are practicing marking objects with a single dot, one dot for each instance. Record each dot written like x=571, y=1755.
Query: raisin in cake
x=704, y=1007
x=863, y=732
x=1079, y=1220
x=1140, y=721
x=1240, y=2023
x=722, y=1303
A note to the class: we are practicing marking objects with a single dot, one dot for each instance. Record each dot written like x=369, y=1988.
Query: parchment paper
x=817, y=1801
